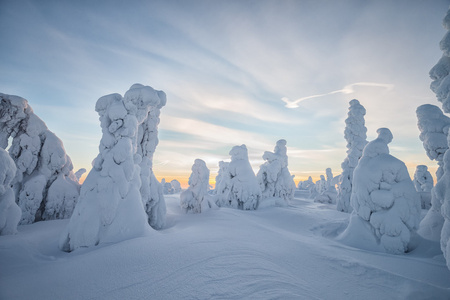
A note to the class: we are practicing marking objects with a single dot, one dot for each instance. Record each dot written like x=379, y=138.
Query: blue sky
x=225, y=67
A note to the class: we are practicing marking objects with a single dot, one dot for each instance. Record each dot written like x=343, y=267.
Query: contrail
x=348, y=89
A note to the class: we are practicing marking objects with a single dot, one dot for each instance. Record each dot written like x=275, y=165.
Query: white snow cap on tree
x=386, y=205
x=239, y=187
x=116, y=193
x=10, y=212
x=440, y=72
x=196, y=198
x=274, y=177
x=356, y=136
x=45, y=186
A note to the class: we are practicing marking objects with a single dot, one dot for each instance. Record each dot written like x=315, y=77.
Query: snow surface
x=275, y=253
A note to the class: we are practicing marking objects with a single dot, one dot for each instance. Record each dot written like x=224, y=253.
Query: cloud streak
x=348, y=89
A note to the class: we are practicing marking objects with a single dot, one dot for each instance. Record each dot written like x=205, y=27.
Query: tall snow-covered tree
x=45, y=186
x=440, y=85
x=386, y=206
x=239, y=187
x=196, y=196
x=356, y=136
x=10, y=212
x=433, y=126
x=112, y=204
x=274, y=177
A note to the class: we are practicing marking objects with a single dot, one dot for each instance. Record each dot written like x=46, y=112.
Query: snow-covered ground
x=272, y=253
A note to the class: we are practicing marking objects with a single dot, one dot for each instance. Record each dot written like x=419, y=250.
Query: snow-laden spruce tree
x=356, y=136
x=196, y=199
x=239, y=187
x=112, y=204
x=386, y=206
x=423, y=182
x=441, y=87
x=45, y=186
x=274, y=177
x=328, y=191
x=147, y=140
x=176, y=186
x=10, y=212
x=222, y=180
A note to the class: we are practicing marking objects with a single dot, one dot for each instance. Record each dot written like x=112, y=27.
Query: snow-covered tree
x=149, y=103
x=222, y=180
x=167, y=187
x=196, y=198
x=113, y=200
x=328, y=191
x=423, y=181
x=45, y=186
x=356, y=136
x=176, y=186
x=239, y=187
x=10, y=212
x=274, y=177
x=386, y=205
x=306, y=184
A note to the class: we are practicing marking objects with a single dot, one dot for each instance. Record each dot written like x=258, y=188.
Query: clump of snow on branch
x=423, y=182
x=10, y=212
x=239, y=187
x=45, y=186
x=433, y=126
x=121, y=187
x=274, y=177
x=196, y=199
x=386, y=205
x=356, y=136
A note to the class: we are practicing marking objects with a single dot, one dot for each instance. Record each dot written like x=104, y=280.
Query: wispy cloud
x=348, y=89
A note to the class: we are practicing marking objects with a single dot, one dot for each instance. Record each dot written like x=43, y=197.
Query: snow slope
x=273, y=253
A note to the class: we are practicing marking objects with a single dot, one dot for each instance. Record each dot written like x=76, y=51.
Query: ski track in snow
x=272, y=253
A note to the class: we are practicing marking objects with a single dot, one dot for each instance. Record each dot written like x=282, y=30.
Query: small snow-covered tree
x=45, y=186
x=167, y=187
x=176, y=186
x=423, y=182
x=306, y=184
x=274, y=177
x=112, y=203
x=239, y=187
x=222, y=178
x=328, y=191
x=10, y=212
x=196, y=198
x=356, y=136
x=386, y=205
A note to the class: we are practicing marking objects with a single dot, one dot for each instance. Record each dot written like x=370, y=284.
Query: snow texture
x=196, y=198
x=274, y=177
x=10, y=212
x=45, y=186
x=385, y=202
x=356, y=136
x=121, y=186
x=239, y=187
